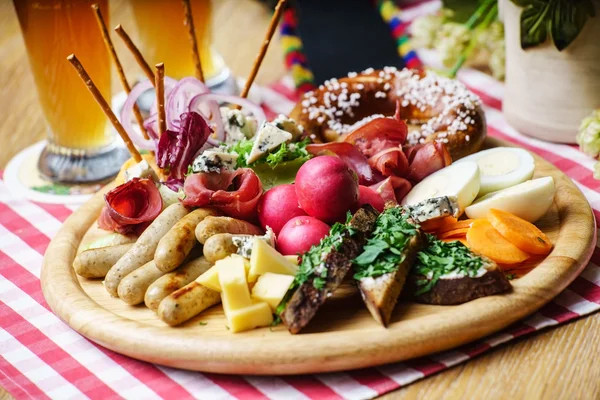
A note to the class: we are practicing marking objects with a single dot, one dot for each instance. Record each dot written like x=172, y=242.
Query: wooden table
x=559, y=363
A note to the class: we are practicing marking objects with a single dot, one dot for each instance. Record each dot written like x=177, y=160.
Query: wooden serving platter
x=342, y=336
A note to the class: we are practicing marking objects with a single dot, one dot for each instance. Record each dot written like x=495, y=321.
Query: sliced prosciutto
x=236, y=193
x=390, y=162
x=393, y=188
x=426, y=159
x=131, y=207
x=378, y=135
x=177, y=148
x=350, y=154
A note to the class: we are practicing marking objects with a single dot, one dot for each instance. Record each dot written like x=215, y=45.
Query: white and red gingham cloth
x=41, y=357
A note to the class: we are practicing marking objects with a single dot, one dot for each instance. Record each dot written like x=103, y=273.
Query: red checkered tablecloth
x=40, y=356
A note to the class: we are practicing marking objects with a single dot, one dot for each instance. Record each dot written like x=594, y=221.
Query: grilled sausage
x=172, y=281
x=213, y=225
x=219, y=246
x=186, y=303
x=143, y=250
x=95, y=263
x=174, y=247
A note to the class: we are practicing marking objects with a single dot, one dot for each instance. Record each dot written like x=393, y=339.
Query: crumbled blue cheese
x=289, y=125
x=237, y=125
x=215, y=160
x=140, y=170
x=436, y=207
x=244, y=243
x=269, y=137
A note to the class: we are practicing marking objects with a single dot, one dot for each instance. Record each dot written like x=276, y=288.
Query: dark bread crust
x=458, y=291
x=379, y=90
x=306, y=300
x=381, y=296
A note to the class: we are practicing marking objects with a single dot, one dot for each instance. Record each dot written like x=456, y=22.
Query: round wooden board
x=342, y=336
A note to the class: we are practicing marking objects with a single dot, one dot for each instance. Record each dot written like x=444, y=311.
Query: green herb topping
x=286, y=152
x=313, y=265
x=384, y=250
x=441, y=258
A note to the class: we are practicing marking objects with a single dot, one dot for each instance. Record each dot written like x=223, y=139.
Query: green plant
x=563, y=20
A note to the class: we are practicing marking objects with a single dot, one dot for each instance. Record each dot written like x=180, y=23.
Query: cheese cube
x=268, y=138
x=210, y=278
x=293, y=259
x=254, y=316
x=271, y=288
x=266, y=259
x=234, y=286
x=215, y=161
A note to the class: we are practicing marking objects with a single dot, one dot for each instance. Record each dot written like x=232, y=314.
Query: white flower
x=452, y=41
x=588, y=137
x=425, y=29
x=497, y=62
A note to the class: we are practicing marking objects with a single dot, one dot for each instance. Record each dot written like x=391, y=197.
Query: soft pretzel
x=435, y=108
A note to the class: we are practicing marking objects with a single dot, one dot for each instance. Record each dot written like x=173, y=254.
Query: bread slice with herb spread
x=381, y=269
x=324, y=267
x=450, y=273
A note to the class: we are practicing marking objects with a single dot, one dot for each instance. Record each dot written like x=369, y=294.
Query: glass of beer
x=81, y=144
x=162, y=37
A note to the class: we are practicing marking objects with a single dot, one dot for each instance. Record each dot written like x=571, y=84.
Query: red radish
x=277, y=206
x=327, y=188
x=369, y=196
x=299, y=234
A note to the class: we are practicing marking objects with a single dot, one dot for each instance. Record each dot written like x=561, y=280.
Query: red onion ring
x=127, y=112
x=212, y=98
x=180, y=97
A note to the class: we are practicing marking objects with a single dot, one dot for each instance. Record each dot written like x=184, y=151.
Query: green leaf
x=568, y=20
x=534, y=23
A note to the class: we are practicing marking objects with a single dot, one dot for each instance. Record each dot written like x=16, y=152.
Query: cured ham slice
x=393, y=188
x=426, y=159
x=236, y=193
x=131, y=207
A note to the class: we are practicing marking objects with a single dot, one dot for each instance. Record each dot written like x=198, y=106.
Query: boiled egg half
x=502, y=167
x=529, y=200
x=460, y=180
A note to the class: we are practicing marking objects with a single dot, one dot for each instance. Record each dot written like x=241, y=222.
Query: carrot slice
x=434, y=224
x=523, y=234
x=461, y=232
x=466, y=223
x=484, y=239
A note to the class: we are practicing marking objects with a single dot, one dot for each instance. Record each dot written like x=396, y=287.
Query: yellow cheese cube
x=254, y=316
x=293, y=259
x=266, y=259
x=271, y=288
x=234, y=286
x=210, y=278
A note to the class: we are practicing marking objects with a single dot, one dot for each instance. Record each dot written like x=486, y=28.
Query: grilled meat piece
x=306, y=300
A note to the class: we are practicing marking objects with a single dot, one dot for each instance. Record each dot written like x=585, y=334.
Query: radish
x=277, y=206
x=327, y=188
x=299, y=234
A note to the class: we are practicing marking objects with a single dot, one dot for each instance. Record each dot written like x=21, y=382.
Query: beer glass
x=162, y=37
x=81, y=144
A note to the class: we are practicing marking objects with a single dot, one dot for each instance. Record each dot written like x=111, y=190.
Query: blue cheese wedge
x=140, y=170
x=244, y=243
x=437, y=207
x=238, y=126
x=269, y=137
x=289, y=125
x=215, y=161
